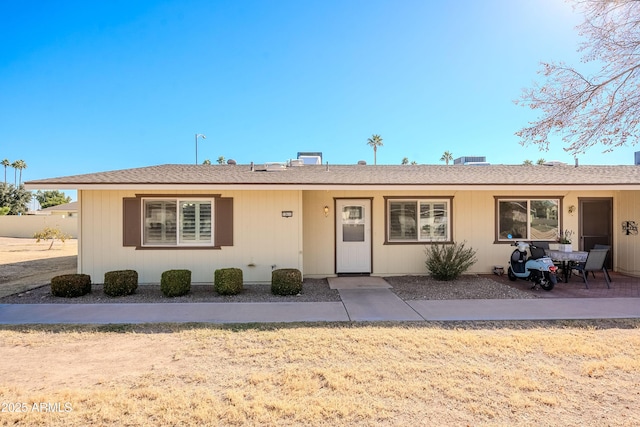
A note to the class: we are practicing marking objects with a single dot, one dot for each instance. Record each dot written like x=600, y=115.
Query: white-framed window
x=418, y=220
x=527, y=218
x=177, y=222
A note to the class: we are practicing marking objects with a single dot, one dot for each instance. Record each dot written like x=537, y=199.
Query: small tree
x=448, y=261
x=52, y=234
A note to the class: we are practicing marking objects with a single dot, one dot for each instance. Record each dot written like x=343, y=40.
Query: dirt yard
x=25, y=264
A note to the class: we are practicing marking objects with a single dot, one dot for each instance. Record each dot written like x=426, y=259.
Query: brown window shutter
x=131, y=221
x=223, y=233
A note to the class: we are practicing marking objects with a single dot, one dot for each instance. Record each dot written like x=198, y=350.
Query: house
x=342, y=219
x=65, y=210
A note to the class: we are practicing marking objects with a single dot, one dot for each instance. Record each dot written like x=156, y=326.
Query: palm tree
x=20, y=165
x=446, y=157
x=375, y=141
x=221, y=160
x=527, y=162
x=14, y=165
x=206, y=162
x=405, y=161
x=5, y=163
x=541, y=161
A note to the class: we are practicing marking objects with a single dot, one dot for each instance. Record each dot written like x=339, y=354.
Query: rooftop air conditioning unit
x=275, y=166
x=311, y=160
x=469, y=159
x=310, y=157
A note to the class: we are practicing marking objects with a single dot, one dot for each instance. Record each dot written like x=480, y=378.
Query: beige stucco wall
x=26, y=225
x=262, y=239
x=473, y=221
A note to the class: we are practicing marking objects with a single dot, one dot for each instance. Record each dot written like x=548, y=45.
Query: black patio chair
x=595, y=262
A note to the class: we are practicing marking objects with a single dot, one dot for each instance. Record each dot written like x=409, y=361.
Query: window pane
x=204, y=222
x=353, y=224
x=195, y=222
x=512, y=219
x=433, y=221
x=402, y=221
x=544, y=220
x=159, y=222
x=353, y=232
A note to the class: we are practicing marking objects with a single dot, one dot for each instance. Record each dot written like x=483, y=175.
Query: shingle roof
x=181, y=176
x=72, y=206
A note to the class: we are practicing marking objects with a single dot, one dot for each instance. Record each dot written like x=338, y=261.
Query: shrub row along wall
x=27, y=225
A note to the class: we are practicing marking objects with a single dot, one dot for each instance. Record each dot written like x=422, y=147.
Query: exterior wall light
x=326, y=210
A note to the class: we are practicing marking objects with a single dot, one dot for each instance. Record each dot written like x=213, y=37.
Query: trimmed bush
x=71, y=285
x=121, y=282
x=286, y=281
x=175, y=283
x=228, y=281
x=448, y=261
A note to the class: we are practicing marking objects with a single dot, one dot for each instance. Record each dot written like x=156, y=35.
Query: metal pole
x=197, y=136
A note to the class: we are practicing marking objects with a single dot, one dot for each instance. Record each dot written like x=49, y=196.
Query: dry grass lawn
x=500, y=373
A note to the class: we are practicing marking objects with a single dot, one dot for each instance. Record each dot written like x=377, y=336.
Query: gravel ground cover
x=313, y=290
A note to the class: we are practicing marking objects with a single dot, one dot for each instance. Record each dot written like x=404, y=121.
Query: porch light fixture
x=326, y=210
x=198, y=135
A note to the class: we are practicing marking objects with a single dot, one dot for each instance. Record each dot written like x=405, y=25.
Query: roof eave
x=320, y=186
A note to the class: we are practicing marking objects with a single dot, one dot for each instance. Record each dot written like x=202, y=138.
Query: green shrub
x=120, y=283
x=448, y=261
x=286, y=281
x=228, y=281
x=175, y=283
x=71, y=285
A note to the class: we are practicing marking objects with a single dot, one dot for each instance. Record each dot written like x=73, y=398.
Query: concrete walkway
x=357, y=305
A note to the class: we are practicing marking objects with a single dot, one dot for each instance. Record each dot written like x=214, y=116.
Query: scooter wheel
x=547, y=286
x=511, y=275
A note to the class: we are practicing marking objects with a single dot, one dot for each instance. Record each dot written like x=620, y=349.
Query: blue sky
x=94, y=86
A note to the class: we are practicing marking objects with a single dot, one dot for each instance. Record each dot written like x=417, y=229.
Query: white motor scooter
x=540, y=271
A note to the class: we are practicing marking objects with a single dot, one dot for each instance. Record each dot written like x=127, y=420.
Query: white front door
x=353, y=236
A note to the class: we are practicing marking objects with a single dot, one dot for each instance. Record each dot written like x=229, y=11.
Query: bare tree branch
x=588, y=110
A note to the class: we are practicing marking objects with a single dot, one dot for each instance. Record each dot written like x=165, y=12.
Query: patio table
x=566, y=258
